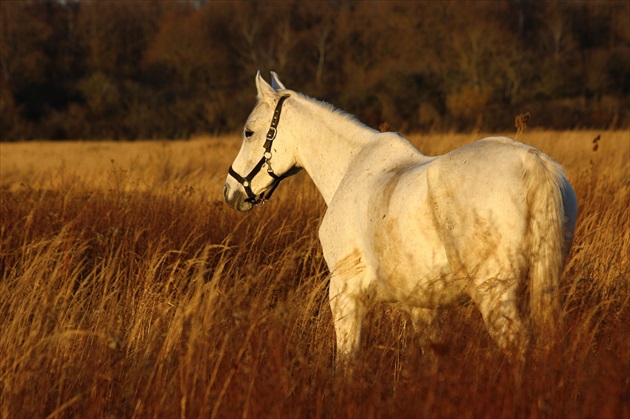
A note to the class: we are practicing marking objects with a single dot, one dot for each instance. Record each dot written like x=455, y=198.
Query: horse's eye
x=249, y=133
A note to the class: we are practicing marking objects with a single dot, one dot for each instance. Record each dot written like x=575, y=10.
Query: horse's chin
x=237, y=200
x=239, y=203
x=242, y=206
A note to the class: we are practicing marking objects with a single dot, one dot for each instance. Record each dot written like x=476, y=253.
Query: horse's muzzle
x=237, y=199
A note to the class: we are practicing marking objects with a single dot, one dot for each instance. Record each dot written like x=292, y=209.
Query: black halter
x=246, y=181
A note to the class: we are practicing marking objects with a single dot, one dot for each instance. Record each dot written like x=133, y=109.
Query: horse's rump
x=478, y=199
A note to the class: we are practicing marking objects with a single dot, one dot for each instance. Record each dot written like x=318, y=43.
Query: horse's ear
x=276, y=83
x=265, y=91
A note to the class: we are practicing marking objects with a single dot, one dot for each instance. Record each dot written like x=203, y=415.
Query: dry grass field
x=129, y=289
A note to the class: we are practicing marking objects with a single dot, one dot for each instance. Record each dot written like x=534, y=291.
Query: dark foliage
x=127, y=70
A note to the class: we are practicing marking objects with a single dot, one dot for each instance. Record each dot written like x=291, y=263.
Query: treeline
x=155, y=69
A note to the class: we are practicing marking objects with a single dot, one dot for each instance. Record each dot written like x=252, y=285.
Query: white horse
x=484, y=221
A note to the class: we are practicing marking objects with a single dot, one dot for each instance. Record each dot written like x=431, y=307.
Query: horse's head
x=266, y=156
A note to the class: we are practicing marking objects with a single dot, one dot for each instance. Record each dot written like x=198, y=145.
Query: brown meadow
x=128, y=289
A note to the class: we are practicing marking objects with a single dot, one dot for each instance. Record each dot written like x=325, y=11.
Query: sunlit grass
x=128, y=289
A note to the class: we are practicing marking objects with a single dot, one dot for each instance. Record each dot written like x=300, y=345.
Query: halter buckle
x=271, y=134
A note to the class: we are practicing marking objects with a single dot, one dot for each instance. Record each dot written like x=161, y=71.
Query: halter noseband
x=246, y=181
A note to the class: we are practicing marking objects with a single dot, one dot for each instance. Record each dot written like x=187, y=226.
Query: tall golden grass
x=128, y=289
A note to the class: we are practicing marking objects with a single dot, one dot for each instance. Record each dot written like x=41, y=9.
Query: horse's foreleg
x=347, y=312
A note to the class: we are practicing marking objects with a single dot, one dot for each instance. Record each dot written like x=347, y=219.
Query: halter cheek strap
x=246, y=181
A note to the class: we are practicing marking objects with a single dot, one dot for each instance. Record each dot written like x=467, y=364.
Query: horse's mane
x=343, y=116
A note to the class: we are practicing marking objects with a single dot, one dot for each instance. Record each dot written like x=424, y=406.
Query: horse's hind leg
x=496, y=298
x=426, y=324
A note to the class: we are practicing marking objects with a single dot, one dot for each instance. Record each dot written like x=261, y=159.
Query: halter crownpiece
x=246, y=181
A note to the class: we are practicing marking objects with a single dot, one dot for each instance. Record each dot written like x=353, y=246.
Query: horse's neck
x=326, y=144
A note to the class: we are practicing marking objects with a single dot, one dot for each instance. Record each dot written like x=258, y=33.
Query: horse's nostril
x=226, y=191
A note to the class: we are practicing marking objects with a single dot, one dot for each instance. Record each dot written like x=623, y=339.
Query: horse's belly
x=412, y=266
x=420, y=284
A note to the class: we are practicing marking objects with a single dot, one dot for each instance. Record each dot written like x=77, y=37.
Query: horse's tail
x=545, y=182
